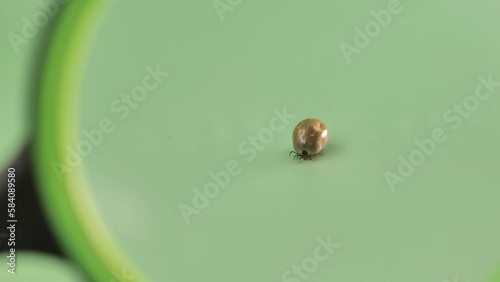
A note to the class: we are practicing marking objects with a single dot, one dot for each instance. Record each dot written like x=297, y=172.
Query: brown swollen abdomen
x=308, y=136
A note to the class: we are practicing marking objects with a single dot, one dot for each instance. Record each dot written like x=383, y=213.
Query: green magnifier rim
x=63, y=188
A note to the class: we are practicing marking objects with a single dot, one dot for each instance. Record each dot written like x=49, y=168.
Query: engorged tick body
x=309, y=138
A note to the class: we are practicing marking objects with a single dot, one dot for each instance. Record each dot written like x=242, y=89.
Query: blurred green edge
x=67, y=201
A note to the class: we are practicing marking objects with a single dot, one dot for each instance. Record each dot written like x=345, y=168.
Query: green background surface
x=226, y=78
x=17, y=63
x=32, y=266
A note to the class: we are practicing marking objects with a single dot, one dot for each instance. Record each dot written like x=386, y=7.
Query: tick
x=309, y=138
